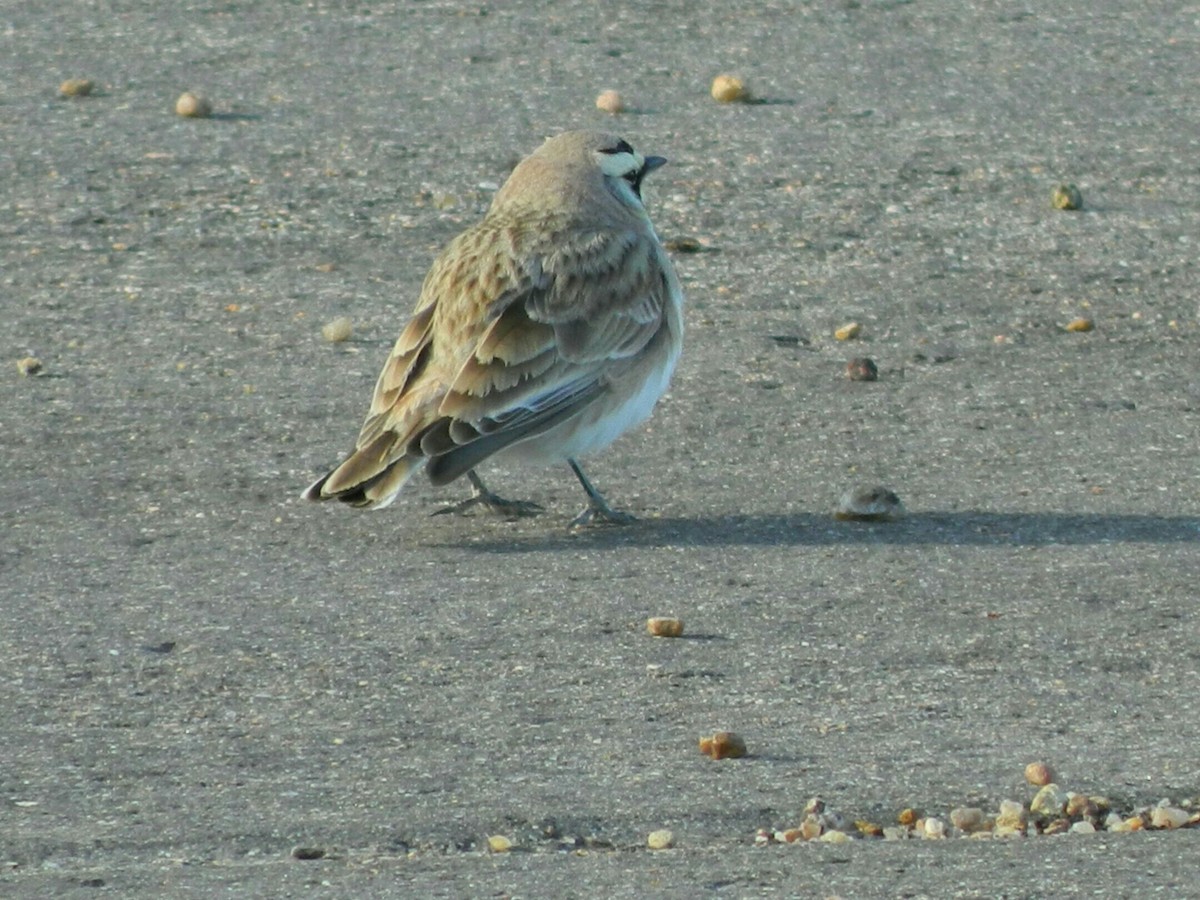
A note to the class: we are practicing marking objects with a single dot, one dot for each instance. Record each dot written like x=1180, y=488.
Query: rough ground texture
x=199, y=672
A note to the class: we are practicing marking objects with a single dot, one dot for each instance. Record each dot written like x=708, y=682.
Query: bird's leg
x=481, y=496
x=597, y=512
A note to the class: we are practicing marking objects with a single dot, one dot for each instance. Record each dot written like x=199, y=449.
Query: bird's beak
x=650, y=163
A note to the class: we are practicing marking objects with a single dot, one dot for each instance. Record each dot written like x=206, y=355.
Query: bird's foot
x=492, y=502
x=602, y=514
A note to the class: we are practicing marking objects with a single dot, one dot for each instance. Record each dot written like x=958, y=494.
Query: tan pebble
x=848, y=332
x=662, y=839
x=835, y=837
x=1008, y=830
x=664, y=626
x=811, y=828
x=683, y=244
x=723, y=745
x=1080, y=325
x=1114, y=822
x=76, y=87
x=728, y=89
x=895, y=833
x=1049, y=802
x=815, y=806
x=1066, y=196
x=610, y=102
x=1012, y=815
x=907, y=816
x=1168, y=817
x=762, y=837
x=193, y=106
x=862, y=368
x=1084, y=827
x=338, y=330
x=1080, y=805
x=1058, y=826
x=868, y=503
x=29, y=365
x=868, y=829
x=1039, y=774
x=934, y=828
x=498, y=843
x=790, y=835
x=1135, y=823
x=967, y=818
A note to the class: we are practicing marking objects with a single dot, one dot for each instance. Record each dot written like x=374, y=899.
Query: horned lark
x=541, y=334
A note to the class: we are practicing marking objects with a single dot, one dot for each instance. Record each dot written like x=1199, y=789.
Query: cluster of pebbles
x=1052, y=810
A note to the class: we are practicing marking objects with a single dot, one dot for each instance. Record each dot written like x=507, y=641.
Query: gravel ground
x=200, y=673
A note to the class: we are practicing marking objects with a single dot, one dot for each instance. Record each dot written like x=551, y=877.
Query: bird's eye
x=622, y=147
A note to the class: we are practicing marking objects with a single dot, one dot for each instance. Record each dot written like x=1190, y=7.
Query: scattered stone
x=1066, y=196
x=868, y=829
x=193, y=106
x=664, y=626
x=907, y=816
x=1050, y=802
x=790, y=835
x=1012, y=815
x=934, y=829
x=967, y=818
x=895, y=833
x=834, y=837
x=338, y=330
x=1083, y=827
x=1038, y=774
x=1168, y=817
x=814, y=807
x=723, y=745
x=684, y=245
x=811, y=827
x=1080, y=324
x=308, y=853
x=862, y=368
x=76, y=87
x=1080, y=806
x=729, y=89
x=1057, y=826
x=29, y=365
x=498, y=843
x=610, y=102
x=848, y=332
x=662, y=839
x=868, y=503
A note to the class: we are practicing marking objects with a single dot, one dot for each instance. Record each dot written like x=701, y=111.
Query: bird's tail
x=368, y=477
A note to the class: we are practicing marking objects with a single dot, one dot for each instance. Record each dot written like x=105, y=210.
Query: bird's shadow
x=966, y=528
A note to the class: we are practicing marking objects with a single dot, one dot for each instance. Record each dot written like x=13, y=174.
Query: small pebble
x=610, y=102
x=338, y=330
x=1084, y=827
x=1038, y=774
x=1012, y=815
x=308, y=853
x=664, y=626
x=193, y=106
x=723, y=745
x=1066, y=196
x=1168, y=817
x=868, y=829
x=907, y=816
x=662, y=839
x=498, y=843
x=864, y=503
x=862, y=368
x=1080, y=324
x=1050, y=801
x=895, y=833
x=848, y=332
x=935, y=829
x=728, y=89
x=29, y=365
x=835, y=837
x=967, y=818
x=811, y=828
x=684, y=245
x=76, y=87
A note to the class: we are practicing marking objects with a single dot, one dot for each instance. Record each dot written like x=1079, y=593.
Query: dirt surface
x=200, y=673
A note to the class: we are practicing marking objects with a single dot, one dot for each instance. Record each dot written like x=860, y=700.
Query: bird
x=541, y=334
